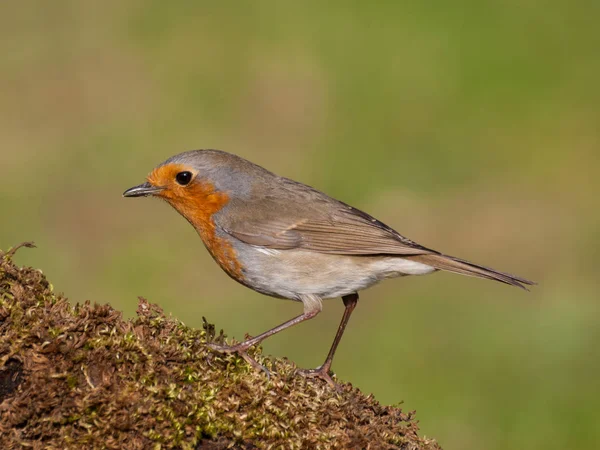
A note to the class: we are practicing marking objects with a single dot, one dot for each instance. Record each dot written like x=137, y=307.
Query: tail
x=460, y=266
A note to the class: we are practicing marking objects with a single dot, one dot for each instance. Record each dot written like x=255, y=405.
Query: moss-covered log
x=79, y=376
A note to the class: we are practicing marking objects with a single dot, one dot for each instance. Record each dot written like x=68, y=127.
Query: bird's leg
x=312, y=307
x=322, y=371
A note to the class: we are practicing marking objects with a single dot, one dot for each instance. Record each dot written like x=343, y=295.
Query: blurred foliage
x=471, y=127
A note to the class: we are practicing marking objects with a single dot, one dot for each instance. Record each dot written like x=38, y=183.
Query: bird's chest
x=220, y=249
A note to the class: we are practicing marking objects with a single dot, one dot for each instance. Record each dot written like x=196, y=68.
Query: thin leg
x=311, y=309
x=350, y=302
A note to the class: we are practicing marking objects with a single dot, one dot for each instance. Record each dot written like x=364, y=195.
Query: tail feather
x=460, y=266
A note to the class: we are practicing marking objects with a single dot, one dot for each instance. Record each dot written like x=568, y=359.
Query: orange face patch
x=197, y=202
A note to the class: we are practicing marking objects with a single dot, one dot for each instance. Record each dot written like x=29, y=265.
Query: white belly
x=295, y=273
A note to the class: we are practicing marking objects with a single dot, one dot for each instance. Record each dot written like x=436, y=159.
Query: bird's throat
x=198, y=206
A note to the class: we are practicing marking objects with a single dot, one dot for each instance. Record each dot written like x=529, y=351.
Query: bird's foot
x=321, y=372
x=242, y=350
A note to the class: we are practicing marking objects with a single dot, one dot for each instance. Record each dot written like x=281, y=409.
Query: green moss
x=82, y=377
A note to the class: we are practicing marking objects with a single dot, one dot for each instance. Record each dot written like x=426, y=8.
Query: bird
x=288, y=240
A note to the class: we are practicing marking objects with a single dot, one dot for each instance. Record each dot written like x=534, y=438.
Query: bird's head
x=197, y=183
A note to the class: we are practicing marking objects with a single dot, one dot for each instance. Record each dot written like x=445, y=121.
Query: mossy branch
x=82, y=377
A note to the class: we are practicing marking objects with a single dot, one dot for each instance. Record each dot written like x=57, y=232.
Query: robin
x=288, y=240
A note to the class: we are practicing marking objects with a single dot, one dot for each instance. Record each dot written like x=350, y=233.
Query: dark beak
x=143, y=190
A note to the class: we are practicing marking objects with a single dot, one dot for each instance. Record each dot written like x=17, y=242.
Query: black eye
x=183, y=178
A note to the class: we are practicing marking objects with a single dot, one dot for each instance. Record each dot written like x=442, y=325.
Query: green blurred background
x=472, y=127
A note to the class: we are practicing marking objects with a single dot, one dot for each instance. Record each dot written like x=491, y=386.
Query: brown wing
x=305, y=218
x=308, y=219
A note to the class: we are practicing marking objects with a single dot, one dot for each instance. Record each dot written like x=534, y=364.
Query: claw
x=242, y=351
x=320, y=372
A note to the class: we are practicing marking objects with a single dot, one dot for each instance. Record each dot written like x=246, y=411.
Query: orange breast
x=198, y=203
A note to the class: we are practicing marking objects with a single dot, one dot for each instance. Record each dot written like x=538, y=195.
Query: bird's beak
x=143, y=190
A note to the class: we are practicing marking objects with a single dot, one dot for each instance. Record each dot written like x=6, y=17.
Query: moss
x=82, y=377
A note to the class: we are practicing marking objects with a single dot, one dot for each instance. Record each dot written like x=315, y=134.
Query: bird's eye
x=183, y=178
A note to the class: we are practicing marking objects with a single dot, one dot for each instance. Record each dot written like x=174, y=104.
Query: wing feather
x=325, y=226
